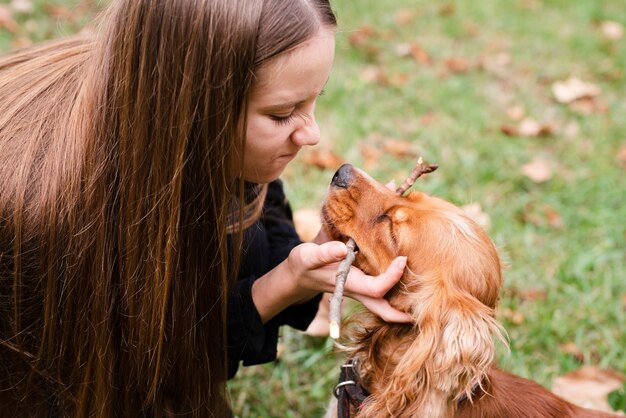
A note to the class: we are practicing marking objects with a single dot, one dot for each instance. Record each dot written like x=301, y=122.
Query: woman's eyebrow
x=290, y=104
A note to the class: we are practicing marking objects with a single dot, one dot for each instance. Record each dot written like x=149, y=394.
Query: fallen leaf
x=588, y=106
x=361, y=36
x=516, y=112
x=553, y=217
x=374, y=74
x=529, y=128
x=514, y=317
x=572, y=349
x=307, y=222
x=538, y=170
x=457, y=65
x=21, y=42
x=399, y=148
x=322, y=159
x=497, y=63
x=475, y=212
x=371, y=155
x=427, y=118
x=572, y=89
x=621, y=156
x=419, y=54
x=532, y=295
x=57, y=11
x=405, y=16
x=447, y=10
x=22, y=6
x=6, y=19
x=588, y=387
x=571, y=129
x=398, y=79
x=612, y=30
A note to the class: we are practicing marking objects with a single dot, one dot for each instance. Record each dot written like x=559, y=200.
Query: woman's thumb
x=312, y=255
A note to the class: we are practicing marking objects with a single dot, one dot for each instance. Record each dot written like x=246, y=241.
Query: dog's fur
x=443, y=364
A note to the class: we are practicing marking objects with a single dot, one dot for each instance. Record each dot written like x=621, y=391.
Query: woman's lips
x=287, y=157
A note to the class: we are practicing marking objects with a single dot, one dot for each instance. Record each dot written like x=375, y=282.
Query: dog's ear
x=452, y=351
x=415, y=196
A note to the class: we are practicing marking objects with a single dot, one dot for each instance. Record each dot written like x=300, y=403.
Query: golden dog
x=442, y=365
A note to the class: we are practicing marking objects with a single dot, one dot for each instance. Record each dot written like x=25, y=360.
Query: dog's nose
x=342, y=176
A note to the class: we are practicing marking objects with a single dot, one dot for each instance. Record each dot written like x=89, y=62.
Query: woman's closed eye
x=284, y=119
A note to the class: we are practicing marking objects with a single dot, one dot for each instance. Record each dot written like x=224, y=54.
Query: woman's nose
x=307, y=134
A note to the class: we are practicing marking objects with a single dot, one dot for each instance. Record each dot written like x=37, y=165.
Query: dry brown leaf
x=553, y=217
x=621, y=156
x=374, y=74
x=572, y=89
x=612, y=30
x=447, y=9
x=361, y=36
x=529, y=128
x=371, y=155
x=22, y=6
x=398, y=79
x=21, y=42
x=405, y=16
x=6, y=19
x=588, y=105
x=399, y=148
x=475, y=212
x=57, y=11
x=322, y=159
x=571, y=129
x=515, y=317
x=588, y=387
x=307, y=222
x=457, y=65
x=572, y=349
x=419, y=54
x=538, y=170
x=516, y=112
x=533, y=294
x=427, y=118
x=497, y=63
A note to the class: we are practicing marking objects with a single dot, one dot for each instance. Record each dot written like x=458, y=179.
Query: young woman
x=145, y=242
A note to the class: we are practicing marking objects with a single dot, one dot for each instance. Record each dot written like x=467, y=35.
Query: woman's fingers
x=370, y=290
x=382, y=308
x=309, y=256
x=376, y=286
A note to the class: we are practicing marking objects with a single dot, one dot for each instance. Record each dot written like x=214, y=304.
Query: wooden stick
x=419, y=169
x=334, y=315
x=340, y=280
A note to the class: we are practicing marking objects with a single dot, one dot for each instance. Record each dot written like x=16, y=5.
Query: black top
x=265, y=244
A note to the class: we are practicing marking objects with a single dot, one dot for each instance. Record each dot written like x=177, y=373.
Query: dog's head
x=450, y=287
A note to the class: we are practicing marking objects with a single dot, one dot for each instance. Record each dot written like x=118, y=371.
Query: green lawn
x=469, y=85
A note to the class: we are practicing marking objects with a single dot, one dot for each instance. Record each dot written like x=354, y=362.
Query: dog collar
x=349, y=392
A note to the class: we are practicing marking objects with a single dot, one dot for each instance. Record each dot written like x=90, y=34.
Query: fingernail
x=401, y=263
x=339, y=250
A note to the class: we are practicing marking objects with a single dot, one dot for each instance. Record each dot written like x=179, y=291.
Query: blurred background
x=522, y=104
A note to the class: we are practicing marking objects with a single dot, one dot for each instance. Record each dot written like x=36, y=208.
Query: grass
x=564, y=239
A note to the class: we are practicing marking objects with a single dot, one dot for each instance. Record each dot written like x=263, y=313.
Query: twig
x=334, y=315
x=340, y=280
x=419, y=169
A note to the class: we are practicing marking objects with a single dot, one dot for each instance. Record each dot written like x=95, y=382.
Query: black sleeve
x=267, y=243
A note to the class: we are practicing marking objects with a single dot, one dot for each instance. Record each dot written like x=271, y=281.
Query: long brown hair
x=120, y=158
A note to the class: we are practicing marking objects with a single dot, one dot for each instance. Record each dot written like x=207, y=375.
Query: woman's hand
x=311, y=269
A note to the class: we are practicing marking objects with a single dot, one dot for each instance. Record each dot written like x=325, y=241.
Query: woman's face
x=281, y=107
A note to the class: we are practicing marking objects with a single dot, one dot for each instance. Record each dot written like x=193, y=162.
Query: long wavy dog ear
x=452, y=351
